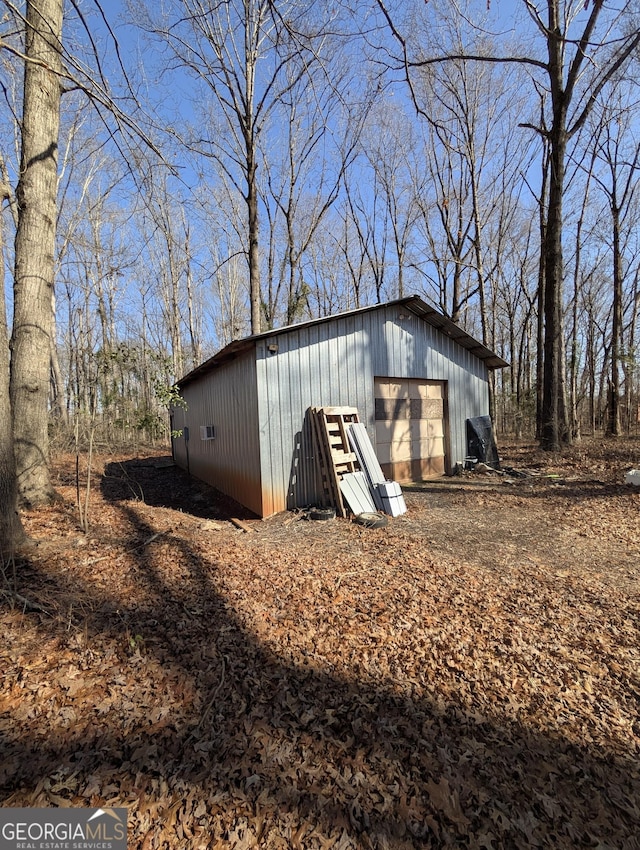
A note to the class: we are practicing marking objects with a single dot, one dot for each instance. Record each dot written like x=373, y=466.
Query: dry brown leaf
x=302, y=686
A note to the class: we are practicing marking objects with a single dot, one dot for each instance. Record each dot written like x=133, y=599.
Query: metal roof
x=414, y=303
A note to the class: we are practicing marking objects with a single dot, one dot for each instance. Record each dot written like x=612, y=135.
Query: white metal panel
x=355, y=490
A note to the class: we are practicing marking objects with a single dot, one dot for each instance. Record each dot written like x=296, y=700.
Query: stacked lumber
x=334, y=455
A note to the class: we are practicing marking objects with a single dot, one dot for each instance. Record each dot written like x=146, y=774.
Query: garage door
x=410, y=428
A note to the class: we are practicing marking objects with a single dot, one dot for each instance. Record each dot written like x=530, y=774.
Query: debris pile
x=351, y=476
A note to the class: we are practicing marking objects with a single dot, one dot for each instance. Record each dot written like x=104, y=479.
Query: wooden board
x=410, y=427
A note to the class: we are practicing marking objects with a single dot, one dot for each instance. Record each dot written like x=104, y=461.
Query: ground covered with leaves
x=467, y=677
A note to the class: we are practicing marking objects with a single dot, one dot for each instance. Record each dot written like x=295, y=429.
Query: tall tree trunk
x=255, y=295
x=480, y=277
x=613, y=422
x=540, y=335
x=11, y=531
x=574, y=416
x=628, y=363
x=554, y=430
x=193, y=311
x=35, y=250
x=253, y=20
x=58, y=406
x=591, y=368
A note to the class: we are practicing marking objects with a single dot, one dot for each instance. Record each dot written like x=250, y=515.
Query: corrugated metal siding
x=225, y=398
x=262, y=454
x=335, y=364
x=317, y=365
x=409, y=348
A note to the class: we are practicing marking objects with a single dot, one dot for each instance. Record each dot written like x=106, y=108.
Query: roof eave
x=412, y=302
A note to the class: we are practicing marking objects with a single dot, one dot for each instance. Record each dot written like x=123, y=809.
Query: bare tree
x=228, y=273
x=35, y=248
x=393, y=149
x=167, y=262
x=514, y=309
x=330, y=268
x=37, y=42
x=578, y=273
x=366, y=216
x=446, y=228
x=11, y=532
x=618, y=148
x=93, y=262
x=585, y=46
x=313, y=139
x=340, y=258
x=249, y=54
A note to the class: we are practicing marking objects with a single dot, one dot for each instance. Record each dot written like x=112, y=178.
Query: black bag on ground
x=481, y=443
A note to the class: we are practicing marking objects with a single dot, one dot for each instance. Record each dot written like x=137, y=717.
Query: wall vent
x=207, y=432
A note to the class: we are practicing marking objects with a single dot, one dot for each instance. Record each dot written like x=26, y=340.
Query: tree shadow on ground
x=159, y=483
x=530, y=489
x=272, y=748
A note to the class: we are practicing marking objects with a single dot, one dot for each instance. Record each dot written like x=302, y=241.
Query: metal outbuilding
x=414, y=376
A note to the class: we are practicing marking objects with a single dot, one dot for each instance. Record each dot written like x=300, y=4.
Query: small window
x=207, y=432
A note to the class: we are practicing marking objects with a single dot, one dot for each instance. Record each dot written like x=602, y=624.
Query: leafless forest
x=223, y=169
x=179, y=175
